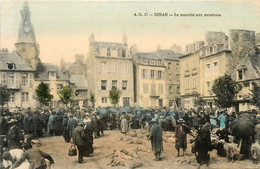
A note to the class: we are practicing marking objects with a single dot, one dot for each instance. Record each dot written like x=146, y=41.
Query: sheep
x=255, y=151
x=231, y=150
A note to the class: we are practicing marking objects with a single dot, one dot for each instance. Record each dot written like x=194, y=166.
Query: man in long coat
x=50, y=124
x=156, y=139
x=65, y=131
x=181, y=136
x=79, y=138
x=37, y=124
x=14, y=135
x=27, y=123
x=89, y=132
x=72, y=124
x=203, y=145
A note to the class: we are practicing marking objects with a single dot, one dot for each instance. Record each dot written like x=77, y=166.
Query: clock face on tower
x=26, y=29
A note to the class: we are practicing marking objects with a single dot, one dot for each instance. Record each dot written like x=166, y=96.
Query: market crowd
x=235, y=135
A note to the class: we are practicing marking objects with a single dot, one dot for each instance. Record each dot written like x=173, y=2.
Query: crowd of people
x=209, y=130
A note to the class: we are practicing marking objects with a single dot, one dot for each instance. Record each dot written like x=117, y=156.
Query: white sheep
x=255, y=151
x=231, y=150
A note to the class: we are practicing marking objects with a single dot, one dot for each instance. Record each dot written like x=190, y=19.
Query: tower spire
x=26, y=31
x=26, y=45
x=25, y=5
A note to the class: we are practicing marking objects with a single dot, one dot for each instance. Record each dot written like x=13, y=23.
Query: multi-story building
x=18, y=68
x=54, y=78
x=172, y=76
x=18, y=76
x=214, y=59
x=213, y=63
x=190, y=78
x=149, y=80
x=76, y=73
x=110, y=66
x=22, y=70
x=246, y=73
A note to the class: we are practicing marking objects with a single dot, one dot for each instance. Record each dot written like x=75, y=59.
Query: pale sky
x=63, y=28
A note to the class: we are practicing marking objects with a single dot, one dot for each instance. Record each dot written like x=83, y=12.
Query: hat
x=6, y=155
x=13, y=121
x=207, y=124
x=81, y=123
x=153, y=120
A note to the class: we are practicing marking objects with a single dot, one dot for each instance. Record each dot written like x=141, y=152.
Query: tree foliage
x=255, y=95
x=43, y=94
x=225, y=90
x=4, y=95
x=65, y=94
x=92, y=99
x=114, y=96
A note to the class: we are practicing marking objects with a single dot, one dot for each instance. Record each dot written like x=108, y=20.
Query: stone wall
x=212, y=38
x=242, y=44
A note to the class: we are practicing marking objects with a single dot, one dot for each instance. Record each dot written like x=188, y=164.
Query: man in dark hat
x=36, y=122
x=79, y=138
x=203, y=145
x=156, y=139
x=27, y=122
x=71, y=125
x=3, y=124
x=14, y=135
x=181, y=136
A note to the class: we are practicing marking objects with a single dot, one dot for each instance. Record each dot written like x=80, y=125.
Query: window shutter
x=98, y=67
x=108, y=68
x=99, y=84
x=162, y=89
x=109, y=85
x=30, y=80
x=18, y=80
x=129, y=84
x=162, y=74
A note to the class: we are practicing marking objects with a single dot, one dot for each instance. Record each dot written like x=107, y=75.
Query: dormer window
x=152, y=62
x=52, y=75
x=215, y=48
x=10, y=66
x=144, y=61
x=108, y=52
x=159, y=62
x=208, y=50
x=241, y=74
x=123, y=53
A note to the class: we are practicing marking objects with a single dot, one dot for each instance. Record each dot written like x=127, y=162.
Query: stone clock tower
x=26, y=45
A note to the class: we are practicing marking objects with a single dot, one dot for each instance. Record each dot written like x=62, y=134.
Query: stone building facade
x=189, y=78
x=172, y=76
x=18, y=76
x=110, y=66
x=215, y=58
x=149, y=80
x=22, y=69
x=246, y=73
x=76, y=73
